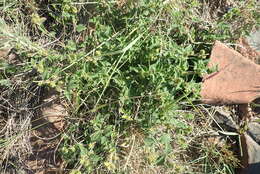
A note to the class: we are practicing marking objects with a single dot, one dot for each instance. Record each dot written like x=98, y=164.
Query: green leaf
x=166, y=139
x=5, y=82
x=81, y=28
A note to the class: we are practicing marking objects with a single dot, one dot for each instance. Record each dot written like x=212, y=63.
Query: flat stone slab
x=237, y=80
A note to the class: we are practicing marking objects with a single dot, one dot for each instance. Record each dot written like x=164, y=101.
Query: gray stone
x=251, y=156
x=254, y=40
x=254, y=131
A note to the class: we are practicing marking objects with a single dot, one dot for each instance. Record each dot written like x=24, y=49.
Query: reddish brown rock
x=237, y=80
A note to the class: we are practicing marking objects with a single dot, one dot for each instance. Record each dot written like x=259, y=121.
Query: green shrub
x=125, y=66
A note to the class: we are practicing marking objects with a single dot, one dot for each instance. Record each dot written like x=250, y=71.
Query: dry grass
x=202, y=150
x=17, y=103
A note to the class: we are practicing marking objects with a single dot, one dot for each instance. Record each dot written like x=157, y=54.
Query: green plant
x=123, y=66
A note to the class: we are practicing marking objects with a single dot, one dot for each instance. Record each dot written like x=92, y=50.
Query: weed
x=130, y=71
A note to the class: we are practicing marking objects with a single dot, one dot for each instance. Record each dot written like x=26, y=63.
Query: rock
x=254, y=40
x=224, y=120
x=251, y=156
x=55, y=114
x=254, y=131
x=4, y=53
x=237, y=80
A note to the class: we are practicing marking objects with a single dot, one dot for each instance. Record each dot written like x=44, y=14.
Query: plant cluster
x=130, y=71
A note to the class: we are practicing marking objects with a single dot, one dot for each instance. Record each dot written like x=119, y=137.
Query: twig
x=130, y=154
